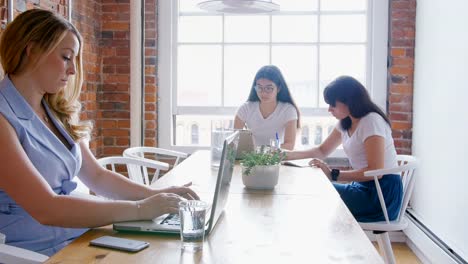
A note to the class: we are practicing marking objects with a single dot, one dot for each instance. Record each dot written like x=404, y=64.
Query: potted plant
x=260, y=168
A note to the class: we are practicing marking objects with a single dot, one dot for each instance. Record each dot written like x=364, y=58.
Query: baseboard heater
x=450, y=252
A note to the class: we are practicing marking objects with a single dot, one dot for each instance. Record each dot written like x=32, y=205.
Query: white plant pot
x=261, y=177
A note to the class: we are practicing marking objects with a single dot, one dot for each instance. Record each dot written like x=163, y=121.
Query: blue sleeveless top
x=55, y=162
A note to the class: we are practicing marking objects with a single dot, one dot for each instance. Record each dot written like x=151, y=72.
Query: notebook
x=246, y=143
x=297, y=163
x=170, y=223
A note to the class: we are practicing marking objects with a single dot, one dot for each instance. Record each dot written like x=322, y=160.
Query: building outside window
x=305, y=136
x=195, y=134
x=318, y=135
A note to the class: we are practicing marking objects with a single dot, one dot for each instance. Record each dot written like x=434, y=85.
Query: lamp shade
x=239, y=6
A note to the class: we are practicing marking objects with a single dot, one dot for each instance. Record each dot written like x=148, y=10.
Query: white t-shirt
x=264, y=129
x=370, y=125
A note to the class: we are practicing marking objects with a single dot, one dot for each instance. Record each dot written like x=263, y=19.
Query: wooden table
x=302, y=220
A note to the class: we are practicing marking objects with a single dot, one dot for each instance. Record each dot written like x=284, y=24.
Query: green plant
x=261, y=158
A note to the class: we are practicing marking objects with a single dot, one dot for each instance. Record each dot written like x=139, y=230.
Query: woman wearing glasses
x=270, y=111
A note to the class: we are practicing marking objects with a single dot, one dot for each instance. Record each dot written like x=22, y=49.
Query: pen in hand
x=277, y=140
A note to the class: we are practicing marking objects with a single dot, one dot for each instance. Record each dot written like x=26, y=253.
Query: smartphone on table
x=125, y=244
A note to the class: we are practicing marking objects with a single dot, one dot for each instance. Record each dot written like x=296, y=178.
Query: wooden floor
x=403, y=254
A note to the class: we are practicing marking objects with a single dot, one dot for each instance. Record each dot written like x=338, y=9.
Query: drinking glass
x=192, y=224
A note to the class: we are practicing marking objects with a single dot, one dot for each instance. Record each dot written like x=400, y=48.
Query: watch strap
x=335, y=173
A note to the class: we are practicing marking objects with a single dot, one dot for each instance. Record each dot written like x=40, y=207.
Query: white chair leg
x=386, y=247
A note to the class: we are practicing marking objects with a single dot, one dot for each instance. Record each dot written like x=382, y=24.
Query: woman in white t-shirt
x=366, y=135
x=270, y=112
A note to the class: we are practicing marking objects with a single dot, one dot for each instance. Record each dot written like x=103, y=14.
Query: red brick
x=402, y=89
x=116, y=97
x=116, y=132
x=117, y=26
x=397, y=125
x=123, y=123
x=122, y=142
x=404, y=62
x=401, y=71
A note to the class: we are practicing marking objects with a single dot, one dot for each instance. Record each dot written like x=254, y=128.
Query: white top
x=264, y=129
x=370, y=125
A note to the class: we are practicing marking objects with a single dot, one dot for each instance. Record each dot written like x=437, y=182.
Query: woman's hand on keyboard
x=183, y=191
x=157, y=205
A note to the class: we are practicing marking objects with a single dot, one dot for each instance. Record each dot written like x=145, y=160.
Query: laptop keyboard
x=171, y=219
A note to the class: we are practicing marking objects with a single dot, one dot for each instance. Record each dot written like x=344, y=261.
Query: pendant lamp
x=239, y=6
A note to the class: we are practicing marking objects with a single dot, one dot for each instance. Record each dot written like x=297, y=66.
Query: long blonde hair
x=46, y=30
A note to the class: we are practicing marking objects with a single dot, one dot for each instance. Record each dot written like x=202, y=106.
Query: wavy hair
x=46, y=30
x=273, y=73
x=352, y=93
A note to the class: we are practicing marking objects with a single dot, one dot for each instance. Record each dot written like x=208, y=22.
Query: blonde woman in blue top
x=365, y=133
x=43, y=144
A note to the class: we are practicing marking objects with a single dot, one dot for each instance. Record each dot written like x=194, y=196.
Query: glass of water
x=192, y=224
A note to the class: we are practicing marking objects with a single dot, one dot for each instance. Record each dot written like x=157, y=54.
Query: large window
x=207, y=62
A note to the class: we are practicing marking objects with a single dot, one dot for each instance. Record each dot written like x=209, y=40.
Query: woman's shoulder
x=373, y=124
x=248, y=105
x=286, y=106
x=373, y=117
x=246, y=109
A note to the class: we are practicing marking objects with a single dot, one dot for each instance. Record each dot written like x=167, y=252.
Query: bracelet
x=138, y=206
x=335, y=173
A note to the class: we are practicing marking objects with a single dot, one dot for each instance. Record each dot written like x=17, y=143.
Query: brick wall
x=151, y=107
x=400, y=90
x=83, y=16
x=114, y=97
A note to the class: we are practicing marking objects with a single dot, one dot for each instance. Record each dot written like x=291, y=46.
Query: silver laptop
x=169, y=223
x=246, y=143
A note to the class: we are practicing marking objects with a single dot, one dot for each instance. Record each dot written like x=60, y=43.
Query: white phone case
x=119, y=243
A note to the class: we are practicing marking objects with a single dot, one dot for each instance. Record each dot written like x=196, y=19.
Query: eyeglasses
x=265, y=89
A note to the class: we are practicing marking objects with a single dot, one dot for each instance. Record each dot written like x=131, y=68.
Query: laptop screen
x=223, y=183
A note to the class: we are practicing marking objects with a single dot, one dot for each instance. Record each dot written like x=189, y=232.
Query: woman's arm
x=24, y=184
x=290, y=135
x=115, y=186
x=375, y=149
x=322, y=151
x=238, y=123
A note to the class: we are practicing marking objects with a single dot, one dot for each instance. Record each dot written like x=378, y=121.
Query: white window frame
x=377, y=54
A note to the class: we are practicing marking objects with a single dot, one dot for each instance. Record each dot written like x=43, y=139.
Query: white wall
x=440, y=132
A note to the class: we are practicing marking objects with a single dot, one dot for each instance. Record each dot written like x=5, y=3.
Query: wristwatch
x=335, y=173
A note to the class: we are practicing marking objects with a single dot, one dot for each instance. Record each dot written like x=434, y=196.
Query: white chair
x=155, y=154
x=137, y=168
x=406, y=167
x=15, y=255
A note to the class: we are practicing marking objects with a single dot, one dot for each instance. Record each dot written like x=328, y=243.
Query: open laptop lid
x=221, y=191
x=246, y=143
x=223, y=182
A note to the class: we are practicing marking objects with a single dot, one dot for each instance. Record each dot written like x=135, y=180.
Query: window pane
x=299, y=67
x=310, y=124
x=294, y=28
x=297, y=5
x=241, y=64
x=199, y=75
x=247, y=28
x=185, y=124
x=189, y=6
x=348, y=5
x=343, y=28
x=336, y=60
x=200, y=29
